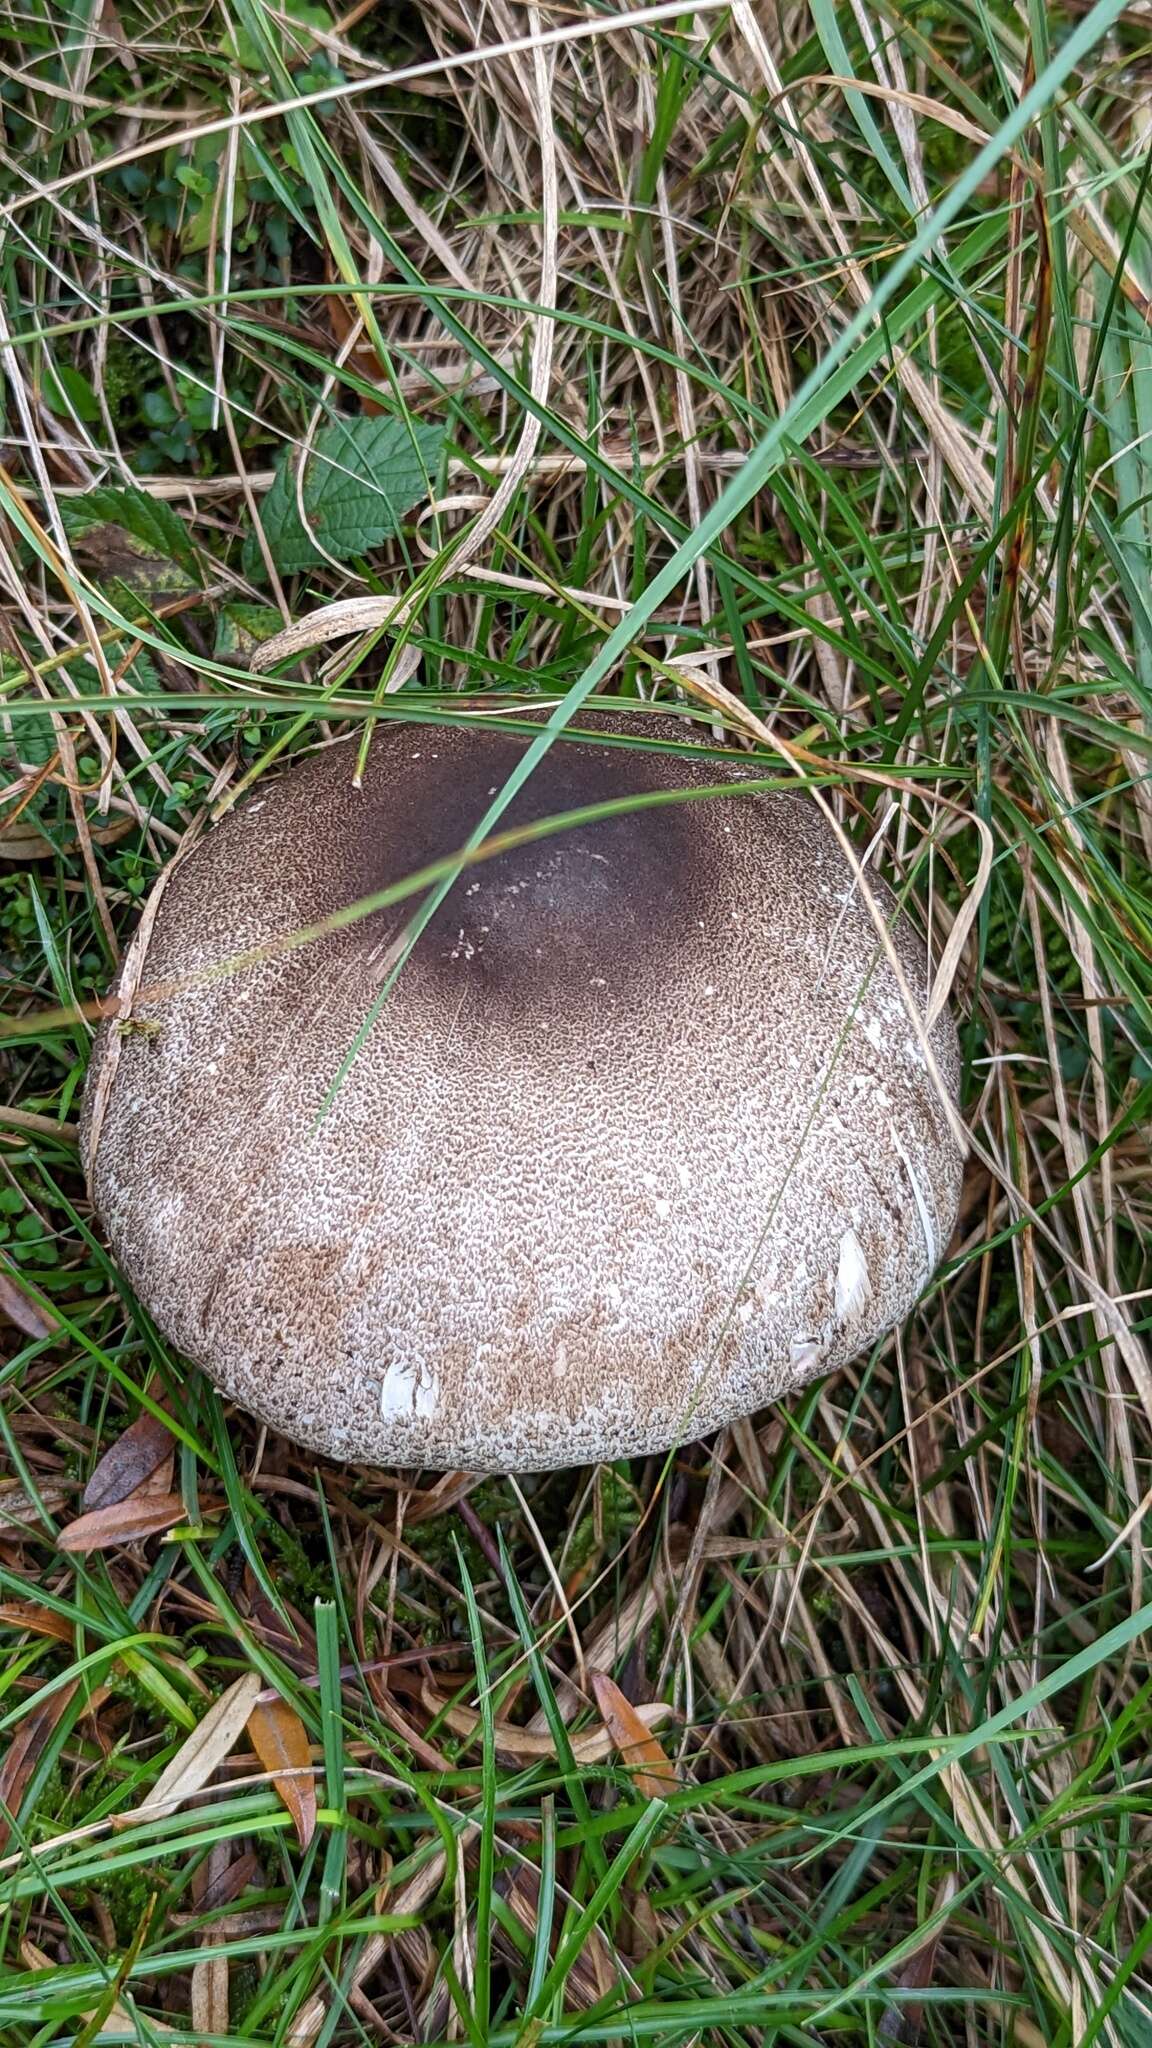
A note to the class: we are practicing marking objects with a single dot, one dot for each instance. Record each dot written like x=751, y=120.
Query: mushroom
x=645, y=1134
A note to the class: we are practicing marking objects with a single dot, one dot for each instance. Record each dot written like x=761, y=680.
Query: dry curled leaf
x=206, y=1747
x=22, y=843
x=40, y=1621
x=653, y=1774
x=18, y=1305
x=280, y=1740
x=24, y=1753
x=128, y=1521
x=127, y=1463
x=18, y=1510
x=525, y=1745
x=332, y=622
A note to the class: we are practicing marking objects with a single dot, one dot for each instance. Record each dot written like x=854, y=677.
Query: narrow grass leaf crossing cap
x=643, y=1136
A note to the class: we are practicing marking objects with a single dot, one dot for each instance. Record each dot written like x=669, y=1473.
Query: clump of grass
x=797, y=362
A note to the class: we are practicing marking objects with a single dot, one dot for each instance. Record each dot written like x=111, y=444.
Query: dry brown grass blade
x=915, y=102
x=630, y=1731
x=280, y=1740
x=972, y=1815
x=43, y=1126
x=426, y=1752
x=375, y=81
x=462, y=551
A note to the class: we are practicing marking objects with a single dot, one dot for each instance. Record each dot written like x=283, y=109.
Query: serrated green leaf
x=362, y=476
x=151, y=529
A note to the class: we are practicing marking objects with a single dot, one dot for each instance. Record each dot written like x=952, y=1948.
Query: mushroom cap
x=643, y=1136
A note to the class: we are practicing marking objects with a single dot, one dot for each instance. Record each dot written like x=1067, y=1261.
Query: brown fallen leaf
x=127, y=1463
x=21, y=842
x=209, y=1999
x=288, y=1634
x=19, y=1511
x=23, y=845
x=161, y=1481
x=128, y=1521
x=17, y=1304
x=280, y=1740
x=227, y=1884
x=645, y=1929
x=24, y=1752
x=40, y=1621
x=653, y=1774
x=206, y=1747
x=524, y=1745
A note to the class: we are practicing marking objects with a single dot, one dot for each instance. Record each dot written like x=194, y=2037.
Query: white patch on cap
x=853, y=1287
x=408, y=1390
x=805, y=1353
